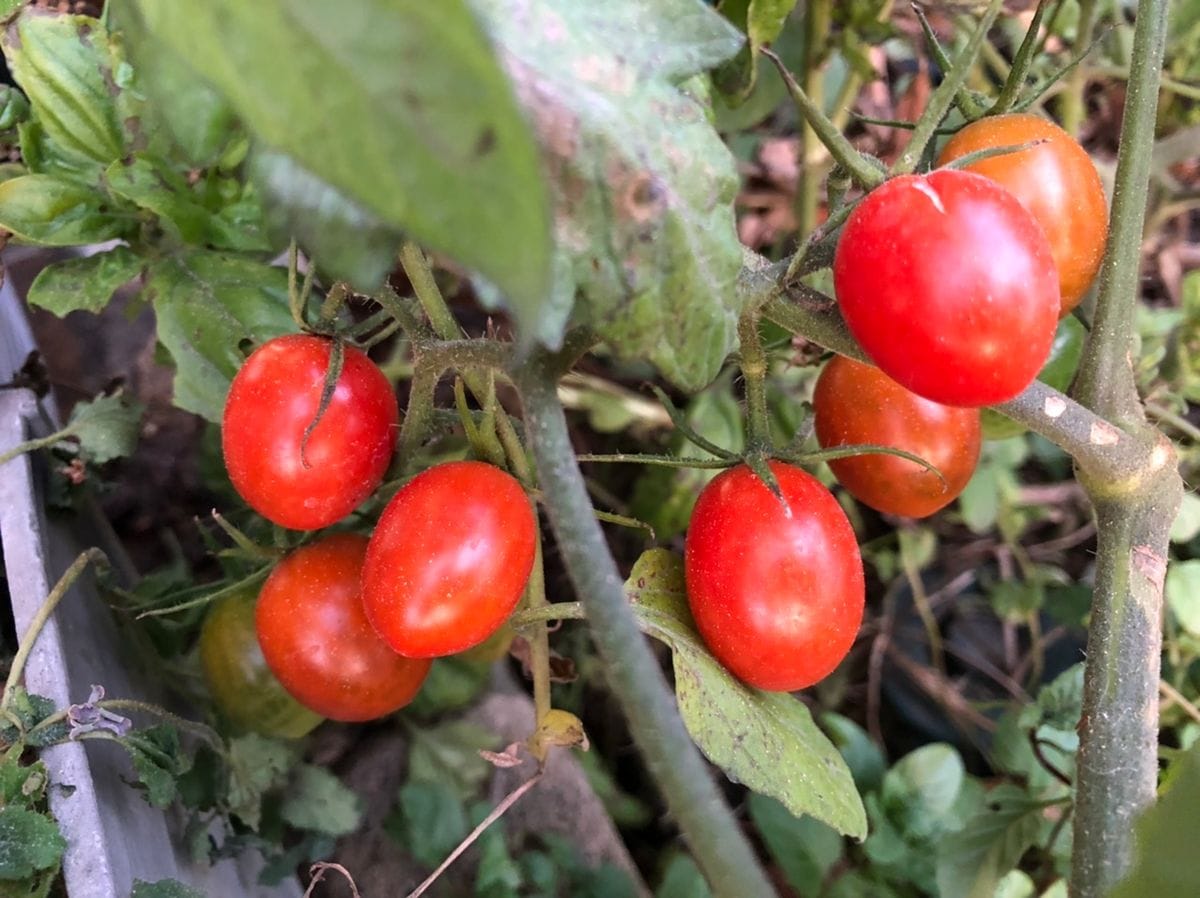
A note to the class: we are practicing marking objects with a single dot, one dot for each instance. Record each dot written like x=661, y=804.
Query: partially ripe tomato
x=239, y=681
x=776, y=587
x=855, y=403
x=449, y=559
x=1056, y=181
x=949, y=286
x=273, y=401
x=318, y=642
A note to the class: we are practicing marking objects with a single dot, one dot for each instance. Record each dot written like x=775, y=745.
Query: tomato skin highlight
x=317, y=640
x=273, y=400
x=777, y=593
x=1056, y=181
x=949, y=286
x=449, y=559
x=854, y=403
x=238, y=678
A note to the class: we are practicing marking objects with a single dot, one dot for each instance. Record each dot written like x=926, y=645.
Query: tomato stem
x=1071, y=105
x=1021, y=63
x=944, y=96
x=818, y=20
x=539, y=639
x=752, y=359
x=967, y=102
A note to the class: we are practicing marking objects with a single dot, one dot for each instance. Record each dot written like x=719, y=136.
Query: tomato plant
x=449, y=559
x=318, y=642
x=1058, y=371
x=238, y=678
x=776, y=586
x=1056, y=181
x=949, y=285
x=856, y=403
x=298, y=481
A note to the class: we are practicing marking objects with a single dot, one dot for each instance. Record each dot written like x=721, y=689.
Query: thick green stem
x=753, y=362
x=1118, y=732
x=632, y=671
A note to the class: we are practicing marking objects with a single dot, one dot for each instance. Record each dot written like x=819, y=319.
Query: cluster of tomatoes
x=953, y=284
x=348, y=625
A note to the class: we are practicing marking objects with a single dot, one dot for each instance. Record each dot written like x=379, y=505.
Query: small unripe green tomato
x=242, y=686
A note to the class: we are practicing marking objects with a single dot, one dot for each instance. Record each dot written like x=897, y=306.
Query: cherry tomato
x=776, y=587
x=273, y=401
x=948, y=284
x=857, y=403
x=318, y=642
x=449, y=559
x=1056, y=181
x=1058, y=372
x=242, y=686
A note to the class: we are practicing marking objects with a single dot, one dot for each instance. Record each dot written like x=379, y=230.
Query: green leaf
x=420, y=126
x=762, y=20
x=30, y=710
x=65, y=66
x=21, y=784
x=207, y=305
x=972, y=861
x=924, y=785
x=159, y=760
x=866, y=761
x=449, y=753
x=1183, y=594
x=163, y=888
x=152, y=185
x=86, y=283
x=29, y=842
x=682, y=879
x=429, y=821
x=348, y=242
x=49, y=211
x=14, y=107
x=107, y=427
x=805, y=849
x=644, y=187
x=316, y=799
x=256, y=765
x=767, y=741
x=1165, y=846
x=1187, y=522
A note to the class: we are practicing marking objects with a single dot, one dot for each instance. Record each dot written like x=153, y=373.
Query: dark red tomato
x=242, y=686
x=855, y=403
x=318, y=642
x=776, y=589
x=948, y=284
x=274, y=399
x=1056, y=181
x=449, y=559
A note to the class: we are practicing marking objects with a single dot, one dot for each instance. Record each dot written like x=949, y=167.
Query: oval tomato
x=272, y=402
x=242, y=686
x=1056, y=181
x=948, y=284
x=856, y=403
x=318, y=642
x=449, y=559
x=1058, y=372
x=776, y=589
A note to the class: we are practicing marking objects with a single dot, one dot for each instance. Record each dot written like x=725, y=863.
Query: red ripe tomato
x=449, y=559
x=776, y=589
x=318, y=642
x=856, y=403
x=274, y=399
x=948, y=284
x=1056, y=181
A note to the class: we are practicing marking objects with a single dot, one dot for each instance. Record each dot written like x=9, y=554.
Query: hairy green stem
x=753, y=361
x=1118, y=732
x=711, y=830
x=1021, y=63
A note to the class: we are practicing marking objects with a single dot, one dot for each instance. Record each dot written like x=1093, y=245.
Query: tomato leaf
x=762, y=20
x=1165, y=853
x=347, y=241
x=29, y=842
x=159, y=760
x=66, y=68
x=152, y=185
x=449, y=753
x=256, y=765
x=768, y=741
x=805, y=849
x=682, y=879
x=643, y=186
x=419, y=126
x=107, y=426
x=208, y=304
x=163, y=888
x=317, y=800
x=972, y=861
x=430, y=820
x=1183, y=594
x=51, y=211
x=86, y=283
